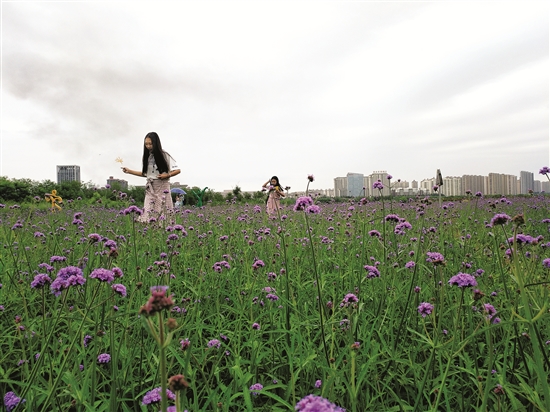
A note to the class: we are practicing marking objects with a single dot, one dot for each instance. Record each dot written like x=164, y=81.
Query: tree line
x=27, y=190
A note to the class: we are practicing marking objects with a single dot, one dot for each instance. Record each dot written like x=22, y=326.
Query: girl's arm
x=131, y=172
x=265, y=184
x=281, y=193
x=169, y=174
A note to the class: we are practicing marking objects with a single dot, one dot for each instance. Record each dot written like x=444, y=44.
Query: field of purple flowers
x=366, y=305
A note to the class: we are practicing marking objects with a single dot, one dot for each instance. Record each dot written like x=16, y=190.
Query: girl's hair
x=276, y=184
x=158, y=154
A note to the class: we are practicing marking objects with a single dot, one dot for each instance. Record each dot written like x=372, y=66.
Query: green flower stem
x=318, y=282
x=62, y=366
x=538, y=356
x=162, y=355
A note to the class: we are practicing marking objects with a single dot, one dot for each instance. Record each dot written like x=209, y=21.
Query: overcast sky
x=239, y=91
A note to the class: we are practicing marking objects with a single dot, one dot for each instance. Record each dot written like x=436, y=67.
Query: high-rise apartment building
x=355, y=184
x=501, y=184
x=68, y=174
x=349, y=186
x=452, y=186
x=526, y=182
x=474, y=183
x=340, y=186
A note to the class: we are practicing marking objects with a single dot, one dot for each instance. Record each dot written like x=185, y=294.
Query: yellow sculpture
x=54, y=199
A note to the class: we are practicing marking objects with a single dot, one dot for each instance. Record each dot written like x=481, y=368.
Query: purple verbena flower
x=104, y=358
x=40, y=281
x=463, y=280
x=11, y=400
x=120, y=289
x=154, y=396
x=256, y=388
x=185, y=343
x=425, y=309
x=372, y=271
x=214, y=343
x=104, y=275
x=500, y=219
x=314, y=403
x=302, y=203
x=349, y=300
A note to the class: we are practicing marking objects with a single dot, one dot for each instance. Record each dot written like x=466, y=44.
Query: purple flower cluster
x=378, y=185
x=545, y=170
x=214, y=343
x=218, y=266
x=40, y=281
x=55, y=259
x=349, y=300
x=120, y=289
x=313, y=209
x=11, y=400
x=133, y=209
x=104, y=358
x=302, y=203
x=154, y=396
x=104, y=275
x=314, y=403
x=258, y=264
x=500, y=219
x=69, y=276
x=372, y=271
x=87, y=340
x=94, y=237
x=435, y=257
x=463, y=280
x=410, y=264
x=425, y=309
x=256, y=388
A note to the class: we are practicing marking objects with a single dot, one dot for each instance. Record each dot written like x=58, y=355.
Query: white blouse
x=153, y=171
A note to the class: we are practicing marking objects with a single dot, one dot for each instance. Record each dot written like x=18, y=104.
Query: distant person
x=274, y=196
x=179, y=202
x=157, y=167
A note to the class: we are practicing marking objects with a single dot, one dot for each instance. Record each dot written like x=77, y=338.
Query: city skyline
x=363, y=184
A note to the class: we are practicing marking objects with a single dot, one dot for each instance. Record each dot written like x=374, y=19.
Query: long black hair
x=276, y=184
x=158, y=154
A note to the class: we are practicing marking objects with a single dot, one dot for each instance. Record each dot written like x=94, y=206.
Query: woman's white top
x=152, y=169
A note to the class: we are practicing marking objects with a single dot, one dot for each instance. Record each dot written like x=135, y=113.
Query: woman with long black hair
x=157, y=167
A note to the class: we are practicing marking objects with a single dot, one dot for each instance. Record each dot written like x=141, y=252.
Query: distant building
x=68, y=174
x=501, y=184
x=474, y=183
x=426, y=186
x=355, y=184
x=340, y=186
x=123, y=184
x=452, y=186
x=537, y=187
x=380, y=175
x=545, y=186
x=526, y=182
